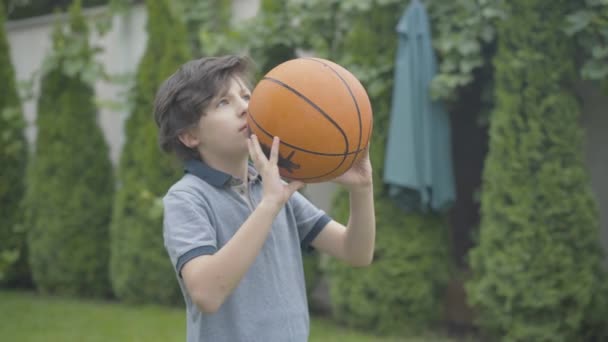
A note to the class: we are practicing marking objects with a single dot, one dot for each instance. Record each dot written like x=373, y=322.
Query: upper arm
x=190, y=274
x=331, y=240
x=193, y=274
x=309, y=219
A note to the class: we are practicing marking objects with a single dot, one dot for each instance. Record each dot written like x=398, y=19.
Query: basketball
x=321, y=113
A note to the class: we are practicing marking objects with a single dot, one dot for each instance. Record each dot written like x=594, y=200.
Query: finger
x=295, y=186
x=251, y=150
x=366, y=149
x=259, y=154
x=274, y=151
x=364, y=154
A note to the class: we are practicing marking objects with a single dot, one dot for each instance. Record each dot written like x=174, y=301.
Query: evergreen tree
x=70, y=182
x=140, y=268
x=537, y=267
x=13, y=158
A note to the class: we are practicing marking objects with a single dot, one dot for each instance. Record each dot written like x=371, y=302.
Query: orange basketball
x=321, y=113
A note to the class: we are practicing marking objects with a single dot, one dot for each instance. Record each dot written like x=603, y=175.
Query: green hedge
x=70, y=182
x=402, y=292
x=537, y=266
x=140, y=267
x=13, y=158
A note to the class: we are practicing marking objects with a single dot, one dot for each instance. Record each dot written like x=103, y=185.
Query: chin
x=242, y=152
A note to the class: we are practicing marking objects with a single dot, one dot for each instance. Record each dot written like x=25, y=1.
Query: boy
x=234, y=231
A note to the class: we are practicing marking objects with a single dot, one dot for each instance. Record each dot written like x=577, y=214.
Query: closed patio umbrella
x=418, y=162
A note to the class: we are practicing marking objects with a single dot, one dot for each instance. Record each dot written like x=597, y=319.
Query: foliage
x=208, y=26
x=70, y=182
x=588, y=24
x=68, y=55
x=13, y=158
x=402, y=291
x=464, y=31
x=140, y=268
x=21, y=9
x=537, y=266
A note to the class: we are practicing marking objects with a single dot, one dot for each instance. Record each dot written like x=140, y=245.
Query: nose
x=243, y=107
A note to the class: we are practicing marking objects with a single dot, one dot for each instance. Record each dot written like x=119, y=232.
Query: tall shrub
x=70, y=182
x=13, y=158
x=140, y=268
x=537, y=266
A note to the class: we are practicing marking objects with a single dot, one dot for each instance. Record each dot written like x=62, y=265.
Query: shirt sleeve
x=187, y=229
x=310, y=220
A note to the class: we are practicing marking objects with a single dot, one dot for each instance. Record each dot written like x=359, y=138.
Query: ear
x=188, y=139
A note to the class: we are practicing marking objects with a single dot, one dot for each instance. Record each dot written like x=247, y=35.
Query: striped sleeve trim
x=191, y=254
x=316, y=229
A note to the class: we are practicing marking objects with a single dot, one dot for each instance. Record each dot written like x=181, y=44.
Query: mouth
x=243, y=128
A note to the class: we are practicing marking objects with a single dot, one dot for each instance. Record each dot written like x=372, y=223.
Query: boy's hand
x=276, y=191
x=359, y=176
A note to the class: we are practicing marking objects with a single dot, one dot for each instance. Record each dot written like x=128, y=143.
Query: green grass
x=26, y=317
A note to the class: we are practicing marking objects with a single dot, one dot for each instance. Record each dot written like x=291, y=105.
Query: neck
x=236, y=167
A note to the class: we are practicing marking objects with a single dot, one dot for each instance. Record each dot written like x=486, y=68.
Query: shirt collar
x=212, y=176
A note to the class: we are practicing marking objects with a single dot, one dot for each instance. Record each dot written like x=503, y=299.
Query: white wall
x=28, y=43
x=244, y=9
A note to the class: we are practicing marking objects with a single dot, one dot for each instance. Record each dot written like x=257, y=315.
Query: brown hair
x=182, y=99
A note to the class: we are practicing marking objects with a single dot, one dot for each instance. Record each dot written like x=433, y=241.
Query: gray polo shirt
x=202, y=211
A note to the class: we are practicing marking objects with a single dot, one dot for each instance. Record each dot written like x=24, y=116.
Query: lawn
x=28, y=317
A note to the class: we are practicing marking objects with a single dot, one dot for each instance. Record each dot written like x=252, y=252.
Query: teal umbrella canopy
x=418, y=162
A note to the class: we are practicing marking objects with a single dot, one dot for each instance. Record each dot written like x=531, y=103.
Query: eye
x=247, y=97
x=222, y=102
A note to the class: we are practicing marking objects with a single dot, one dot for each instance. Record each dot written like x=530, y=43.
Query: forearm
x=217, y=275
x=361, y=233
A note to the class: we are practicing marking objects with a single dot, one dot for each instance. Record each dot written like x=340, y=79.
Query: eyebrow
x=224, y=93
x=225, y=90
x=242, y=84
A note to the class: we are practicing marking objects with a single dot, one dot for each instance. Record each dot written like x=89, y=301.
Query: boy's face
x=222, y=131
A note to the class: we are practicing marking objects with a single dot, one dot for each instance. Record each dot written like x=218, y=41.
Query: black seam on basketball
x=350, y=92
x=346, y=154
x=312, y=104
